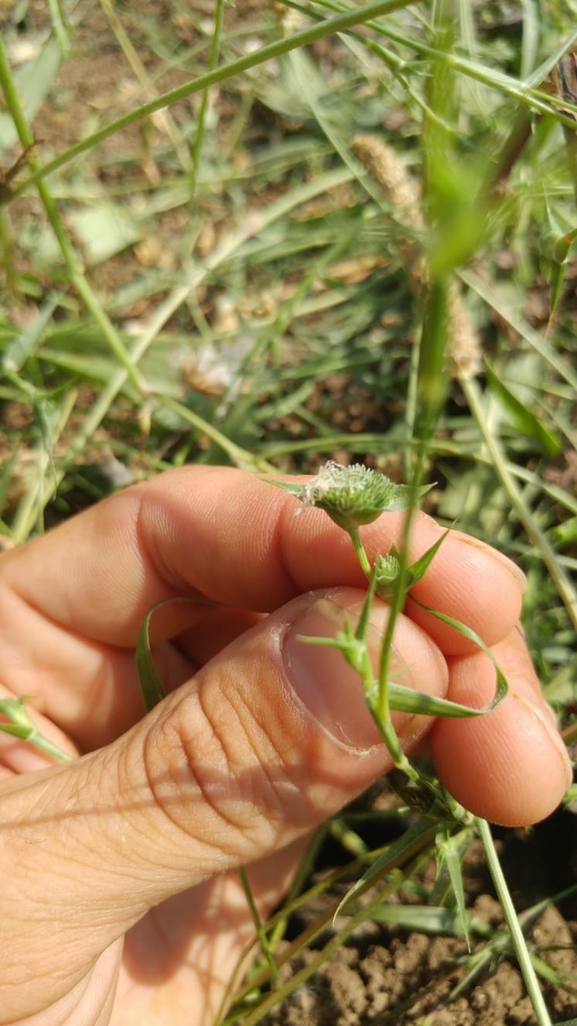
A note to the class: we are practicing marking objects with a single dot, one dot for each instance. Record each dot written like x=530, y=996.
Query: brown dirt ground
x=382, y=975
x=389, y=975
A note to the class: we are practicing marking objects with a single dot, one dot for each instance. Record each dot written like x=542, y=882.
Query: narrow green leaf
x=33, y=80
x=522, y=417
x=413, y=839
x=150, y=683
x=15, y=710
x=560, y=245
x=404, y=699
x=434, y=920
x=16, y=730
x=451, y=852
x=418, y=569
x=105, y=229
x=502, y=686
x=557, y=276
x=402, y=496
x=514, y=924
x=27, y=337
x=564, y=533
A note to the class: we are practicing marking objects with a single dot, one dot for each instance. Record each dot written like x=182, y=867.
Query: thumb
x=265, y=742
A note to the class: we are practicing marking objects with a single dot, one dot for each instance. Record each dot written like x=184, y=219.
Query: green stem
x=34, y=737
x=381, y=706
x=259, y=928
x=517, y=936
x=361, y=553
x=391, y=739
x=323, y=954
x=212, y=63
x=382, y=709
x=223, y=254
x=7, y=255
x=59, y=26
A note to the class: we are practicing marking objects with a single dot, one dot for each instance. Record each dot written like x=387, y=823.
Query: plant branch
x=512, y=919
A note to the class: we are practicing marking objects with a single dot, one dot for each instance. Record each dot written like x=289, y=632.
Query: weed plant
x=293, y=232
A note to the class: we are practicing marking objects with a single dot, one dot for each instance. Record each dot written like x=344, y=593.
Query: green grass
x=208, y=267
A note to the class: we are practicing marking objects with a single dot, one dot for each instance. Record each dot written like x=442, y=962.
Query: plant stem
x=7, y=255
x=212, y=63
x=164, y=117
x=260, y=929
x=517, y=936
x=58, y=19
x=361, y=553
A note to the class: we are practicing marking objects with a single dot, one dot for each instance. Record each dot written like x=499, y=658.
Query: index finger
x=228, y=536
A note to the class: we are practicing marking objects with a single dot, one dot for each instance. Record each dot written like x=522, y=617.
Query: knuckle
x=217, y=777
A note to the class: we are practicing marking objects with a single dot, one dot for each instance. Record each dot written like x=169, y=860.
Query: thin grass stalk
x=59, y=26
x=164, y=116
x=429, y=395
x=527, y=95
x=512, y=919
x=394, y=63
x=278, y=925
x=28, y=516
x=417, y=849
x=561, y=579
x=260, y=929
x=532, y=98
x=238, y=456
x=493, y=298
x=30, y=513
x=203, y=109
x=8, y=255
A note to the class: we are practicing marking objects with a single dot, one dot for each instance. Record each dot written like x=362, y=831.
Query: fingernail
x=324, y=682
x=547, y=719
x=488, y=550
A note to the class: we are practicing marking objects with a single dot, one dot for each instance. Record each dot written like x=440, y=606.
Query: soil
x=382, y=974
x=391, y=975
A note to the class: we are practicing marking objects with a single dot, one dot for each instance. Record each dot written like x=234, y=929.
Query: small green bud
x=386, y=571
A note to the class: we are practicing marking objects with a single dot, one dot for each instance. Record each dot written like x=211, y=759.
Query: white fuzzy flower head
x=353, y=496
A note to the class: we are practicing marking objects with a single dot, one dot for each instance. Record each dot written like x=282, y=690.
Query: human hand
x=121, y=900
